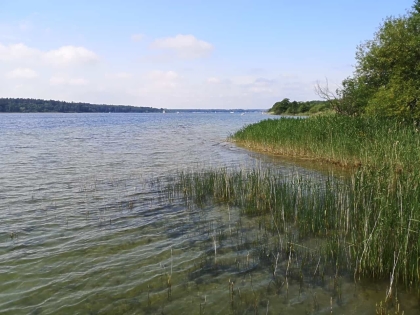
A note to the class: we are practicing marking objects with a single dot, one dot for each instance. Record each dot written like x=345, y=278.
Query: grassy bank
x=375, y=213
x=346, y=141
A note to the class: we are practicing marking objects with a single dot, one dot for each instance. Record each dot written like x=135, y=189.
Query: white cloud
x=179, y=86
x=243, y=80
x=123, y=75
x=156, y=83
x=158, y=75
x=64, y=81
x=17, y=52
x=78, y=81
x=263, y=85
x=213, y=80
x=22, y=73
x=70, y=55
x=137, y=37
x=264, y=82
x=259, y=89
x=63, y=56
x=185, y=46
x=119, y=75
x=57, y=81
x=256, y=84
x=175, y=88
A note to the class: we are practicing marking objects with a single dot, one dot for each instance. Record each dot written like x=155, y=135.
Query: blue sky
x=182, y=54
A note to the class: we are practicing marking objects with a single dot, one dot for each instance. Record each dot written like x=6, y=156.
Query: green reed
x=367, y=224
x=370, y=219
x=347, y=141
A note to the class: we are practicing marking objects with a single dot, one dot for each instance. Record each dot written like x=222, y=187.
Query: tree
x=332, y=98
x=303, y=107
x=280, y=107
x=386, y=81
x=353, y=96
x=293, y=108
x=287, y=107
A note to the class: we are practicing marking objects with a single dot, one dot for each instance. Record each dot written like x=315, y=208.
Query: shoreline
x=287, y=154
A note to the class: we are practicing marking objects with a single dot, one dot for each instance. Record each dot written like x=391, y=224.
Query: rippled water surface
x=85, y=228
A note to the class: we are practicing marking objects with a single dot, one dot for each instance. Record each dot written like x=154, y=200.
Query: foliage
x=348, y=141
x=24, y=105
x=352, y=97
x=293, y=107
x=386, y=81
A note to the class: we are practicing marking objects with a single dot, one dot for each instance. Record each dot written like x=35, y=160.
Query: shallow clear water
x=85, y=228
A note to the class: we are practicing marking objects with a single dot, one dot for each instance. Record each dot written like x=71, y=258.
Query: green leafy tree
x=280, y=107
x=352, y=97
x=287, y=107
x=293, y=108
x=304, y=107
x=386, y=81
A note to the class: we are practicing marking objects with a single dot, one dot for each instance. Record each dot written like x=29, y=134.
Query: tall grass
x=376, y=211
x=346, y=141
x=366, y=224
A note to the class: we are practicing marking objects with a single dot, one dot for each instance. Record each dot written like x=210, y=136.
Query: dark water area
x=85, y=228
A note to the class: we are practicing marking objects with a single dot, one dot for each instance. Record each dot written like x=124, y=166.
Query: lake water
x=85, y=228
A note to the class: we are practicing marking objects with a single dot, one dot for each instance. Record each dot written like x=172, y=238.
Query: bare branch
x=324, y=92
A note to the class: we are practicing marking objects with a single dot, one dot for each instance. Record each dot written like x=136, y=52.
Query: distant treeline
x=29, y=105
x=293, y=107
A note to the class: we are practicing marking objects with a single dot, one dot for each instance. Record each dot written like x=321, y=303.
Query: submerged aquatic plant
x=367, y=224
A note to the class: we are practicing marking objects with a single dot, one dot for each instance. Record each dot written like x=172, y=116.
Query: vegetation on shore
x=287, y=107
x=346, y=141
x=29, y=105
x=386, y=79
x=377, y=110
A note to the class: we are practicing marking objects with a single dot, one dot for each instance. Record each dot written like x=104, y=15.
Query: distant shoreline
x=29, y=105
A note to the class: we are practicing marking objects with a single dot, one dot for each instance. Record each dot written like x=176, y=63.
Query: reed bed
x=346, y=141
x=366, y=225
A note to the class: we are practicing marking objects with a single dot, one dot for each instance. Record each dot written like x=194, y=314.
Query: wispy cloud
x=71, y=55
x=184, y=46
x=213, y=80
x=17, y=52
x=68, y=81
x=22, y=73
x=123, y=75
x=137, y=37
x=63, y=56
x=162, y=79
x=158, y=75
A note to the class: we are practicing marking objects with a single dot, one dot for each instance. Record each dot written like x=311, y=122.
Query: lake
x=86, y=228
